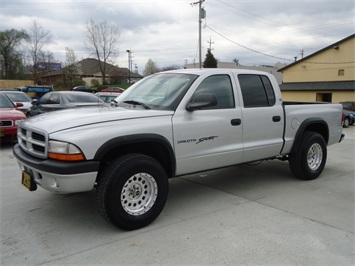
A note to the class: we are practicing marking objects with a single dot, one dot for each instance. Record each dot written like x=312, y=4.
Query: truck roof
x=201, y=71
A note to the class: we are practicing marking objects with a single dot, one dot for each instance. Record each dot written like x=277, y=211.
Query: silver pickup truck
x=171, y=124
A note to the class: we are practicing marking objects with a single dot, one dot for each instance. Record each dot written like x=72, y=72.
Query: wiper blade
x=137, y=103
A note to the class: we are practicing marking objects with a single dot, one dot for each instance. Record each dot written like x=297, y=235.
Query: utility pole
x=129, y=65
x=201, y=15
x=210, y=43
x=302, y=53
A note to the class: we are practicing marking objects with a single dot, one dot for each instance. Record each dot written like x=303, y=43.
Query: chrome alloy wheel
x=314, y=156
x=139, y=194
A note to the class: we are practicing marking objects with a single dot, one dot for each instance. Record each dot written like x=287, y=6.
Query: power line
x=276, y=57
x=348, y=20
x=249, y=13
x=281, y=58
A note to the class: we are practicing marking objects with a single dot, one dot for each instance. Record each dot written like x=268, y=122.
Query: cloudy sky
x=256, y=32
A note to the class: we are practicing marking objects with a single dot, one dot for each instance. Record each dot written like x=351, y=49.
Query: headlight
x=17, y=122
x=64, y=151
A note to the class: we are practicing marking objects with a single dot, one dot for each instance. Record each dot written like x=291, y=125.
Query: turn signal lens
x=66, y=157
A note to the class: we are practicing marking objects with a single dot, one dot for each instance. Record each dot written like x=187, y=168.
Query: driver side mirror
x=34, y=102
x=202, y=100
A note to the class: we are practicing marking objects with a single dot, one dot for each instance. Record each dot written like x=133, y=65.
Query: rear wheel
x=346, y=123
x=308, y=163
x=132, y=191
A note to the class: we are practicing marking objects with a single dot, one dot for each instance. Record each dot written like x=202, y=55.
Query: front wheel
x=308, y=163
x=132, y=191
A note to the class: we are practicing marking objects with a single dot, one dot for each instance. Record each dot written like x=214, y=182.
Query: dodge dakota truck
x=171, y=124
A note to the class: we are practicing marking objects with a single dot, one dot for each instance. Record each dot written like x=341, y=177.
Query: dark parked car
x=349, y=106
x=58, y=100
x=349, y=119
x=9, y=118
x=349, y=113
x=83, y=88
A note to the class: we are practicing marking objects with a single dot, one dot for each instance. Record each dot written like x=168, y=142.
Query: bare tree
x=37, y=40
x=71, y=69
x=150, y=68
x=102, y=41
x=170, y=67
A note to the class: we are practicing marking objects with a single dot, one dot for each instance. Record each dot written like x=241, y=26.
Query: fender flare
x=118, y=142
x=315, y=124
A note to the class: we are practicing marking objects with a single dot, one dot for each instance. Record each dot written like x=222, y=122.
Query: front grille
x=33, y=141
x=39, y=137
x=6, y=123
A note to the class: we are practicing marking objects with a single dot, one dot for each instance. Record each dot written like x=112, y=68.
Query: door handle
x=236, y=122
x=276, y=118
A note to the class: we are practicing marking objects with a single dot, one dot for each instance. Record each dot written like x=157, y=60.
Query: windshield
x=5, y=102
x=161, y=91
x=89, y=98
x=19, y=97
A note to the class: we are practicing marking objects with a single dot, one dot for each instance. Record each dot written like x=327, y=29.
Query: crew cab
x=171, y=124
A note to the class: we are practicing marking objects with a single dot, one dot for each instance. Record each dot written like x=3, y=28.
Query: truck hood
x=70, y=118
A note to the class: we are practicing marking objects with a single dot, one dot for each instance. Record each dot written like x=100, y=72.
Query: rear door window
x=257, y=90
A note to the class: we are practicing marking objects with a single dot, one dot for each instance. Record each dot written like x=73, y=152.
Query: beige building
x=327, y=75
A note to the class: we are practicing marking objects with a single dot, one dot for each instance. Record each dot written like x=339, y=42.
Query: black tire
x=309, y=161
x=346, y=123
x=132, y=191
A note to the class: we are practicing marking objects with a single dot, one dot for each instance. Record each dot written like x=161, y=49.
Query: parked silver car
x=107, y=97
x=58, y=100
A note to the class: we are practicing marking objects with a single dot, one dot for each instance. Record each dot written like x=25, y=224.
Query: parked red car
x=10, y=116
x=113, y=89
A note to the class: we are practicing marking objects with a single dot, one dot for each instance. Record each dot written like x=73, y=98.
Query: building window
x=324, y=97
x=341, y=72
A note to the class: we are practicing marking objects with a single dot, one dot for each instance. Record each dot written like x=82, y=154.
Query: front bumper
x=57, y=176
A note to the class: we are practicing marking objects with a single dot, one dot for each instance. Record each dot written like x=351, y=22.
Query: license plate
x=28, y=182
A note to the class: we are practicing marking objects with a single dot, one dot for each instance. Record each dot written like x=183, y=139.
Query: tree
x=37, y=40
x=9, y=42
x=150, y=68
x=171, y=67
x=71, y=69
x=102, y=41
x=210, y=61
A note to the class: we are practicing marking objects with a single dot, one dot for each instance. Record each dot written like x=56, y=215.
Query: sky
x=255, y=32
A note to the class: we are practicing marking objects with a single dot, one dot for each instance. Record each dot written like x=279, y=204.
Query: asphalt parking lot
x=242, y=215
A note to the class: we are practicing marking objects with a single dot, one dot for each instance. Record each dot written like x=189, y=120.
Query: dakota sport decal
x=196, y=141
